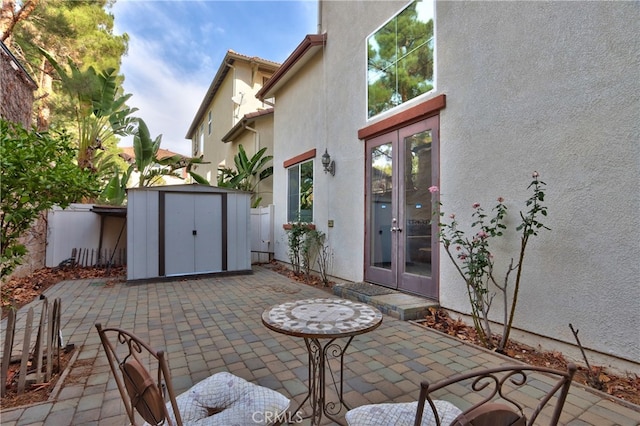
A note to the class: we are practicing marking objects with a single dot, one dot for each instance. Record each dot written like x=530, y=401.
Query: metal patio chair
x=221, y=399
x=494, y=389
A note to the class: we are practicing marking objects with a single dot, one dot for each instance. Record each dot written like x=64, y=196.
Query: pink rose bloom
x=452, y=215
x=482, y=234
x=462, y=256
x=535, y=174
x=434, y=189
x=458, y=248
x=500, y=199
x=476, y=205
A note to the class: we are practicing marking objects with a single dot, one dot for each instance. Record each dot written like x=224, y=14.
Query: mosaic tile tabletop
x=322, y=318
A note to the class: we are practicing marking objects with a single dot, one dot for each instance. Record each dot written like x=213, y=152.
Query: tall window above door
x=400, y=58
x=300, y=192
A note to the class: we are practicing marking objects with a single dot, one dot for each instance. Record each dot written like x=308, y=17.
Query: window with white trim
x=209, y=122
x=201, y=142
x=401, y=58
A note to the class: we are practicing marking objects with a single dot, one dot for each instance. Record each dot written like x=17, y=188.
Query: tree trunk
x=46, y=88
x=9, y=18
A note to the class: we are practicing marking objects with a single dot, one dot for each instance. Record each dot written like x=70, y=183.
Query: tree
x=37, y=171
x=248, y=172
x=400, y=60
x=100, y=110
x=11, y=15
x=79, y=30
x=149, y=167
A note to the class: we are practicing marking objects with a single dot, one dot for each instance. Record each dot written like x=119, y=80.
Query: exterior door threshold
x=403, y=306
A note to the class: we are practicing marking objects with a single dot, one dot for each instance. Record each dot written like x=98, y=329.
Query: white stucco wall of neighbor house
x=552, y=87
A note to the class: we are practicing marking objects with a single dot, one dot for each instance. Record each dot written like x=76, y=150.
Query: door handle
x=194, y=232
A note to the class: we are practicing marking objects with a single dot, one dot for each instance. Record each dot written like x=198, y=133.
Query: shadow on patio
x=209, y=325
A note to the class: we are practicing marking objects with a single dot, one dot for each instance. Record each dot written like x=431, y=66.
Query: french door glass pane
x=417, y=203
x=381, y=213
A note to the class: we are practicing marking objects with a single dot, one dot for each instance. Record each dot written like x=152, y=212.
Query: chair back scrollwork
x=140, y=392
x=498, y=404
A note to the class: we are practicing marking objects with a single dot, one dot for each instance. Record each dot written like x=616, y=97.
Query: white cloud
x=175, y=48
x=167, y=101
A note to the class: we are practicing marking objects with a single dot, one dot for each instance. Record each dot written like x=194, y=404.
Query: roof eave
x=241, y=125
x=222, y=72
x=310, y=45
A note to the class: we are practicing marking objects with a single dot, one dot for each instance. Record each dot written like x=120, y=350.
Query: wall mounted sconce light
x=329, y=166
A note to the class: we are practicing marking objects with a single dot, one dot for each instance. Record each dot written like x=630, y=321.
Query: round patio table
x=330, y=320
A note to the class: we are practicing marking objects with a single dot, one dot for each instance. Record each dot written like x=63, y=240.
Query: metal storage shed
x=180, y=230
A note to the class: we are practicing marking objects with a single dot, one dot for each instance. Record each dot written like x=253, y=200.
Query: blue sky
x=177, y=46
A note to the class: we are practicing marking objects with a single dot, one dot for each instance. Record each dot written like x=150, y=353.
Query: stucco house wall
x=230, y=97
x=215, y=151
x=551, y=87
x=260, y=136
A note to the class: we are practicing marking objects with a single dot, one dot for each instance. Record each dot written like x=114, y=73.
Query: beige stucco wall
x=240, y=79
x=551, y=87
x=546, y=86
x=215, y=151
x=252, y=142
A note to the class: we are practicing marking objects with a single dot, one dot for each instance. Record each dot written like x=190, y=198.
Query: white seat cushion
x=235, y=401
x=400, y=414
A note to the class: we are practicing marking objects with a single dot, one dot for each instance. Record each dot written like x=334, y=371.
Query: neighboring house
x=128, y=154
x=16, y=89
x=230, y=115
x=495, y=90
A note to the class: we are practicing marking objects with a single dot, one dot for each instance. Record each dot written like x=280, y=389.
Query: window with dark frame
x=300, y=192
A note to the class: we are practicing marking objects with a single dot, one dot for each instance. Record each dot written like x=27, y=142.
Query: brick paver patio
x=208, y=325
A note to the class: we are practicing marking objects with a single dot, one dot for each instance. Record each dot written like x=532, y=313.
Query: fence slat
x=39, y=341
x=8, y=346
x=26, y=343
x=58, y=332
x=49, y=354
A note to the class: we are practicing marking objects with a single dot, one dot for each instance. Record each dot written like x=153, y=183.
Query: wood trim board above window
x=404, y=118
x=299, y=158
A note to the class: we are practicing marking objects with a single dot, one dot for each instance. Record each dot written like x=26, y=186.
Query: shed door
x=193, y=233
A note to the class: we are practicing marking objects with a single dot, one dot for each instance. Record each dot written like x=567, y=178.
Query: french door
x=401, y=242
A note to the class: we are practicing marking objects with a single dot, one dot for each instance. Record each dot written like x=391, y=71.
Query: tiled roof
x=223, y=70
x=129, y=155
x=246, y=120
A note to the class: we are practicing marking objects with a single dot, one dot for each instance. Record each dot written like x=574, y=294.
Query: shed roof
x=193, y=187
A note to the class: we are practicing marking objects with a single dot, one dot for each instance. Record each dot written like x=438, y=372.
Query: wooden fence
x=86, y=257
x=40, y=357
